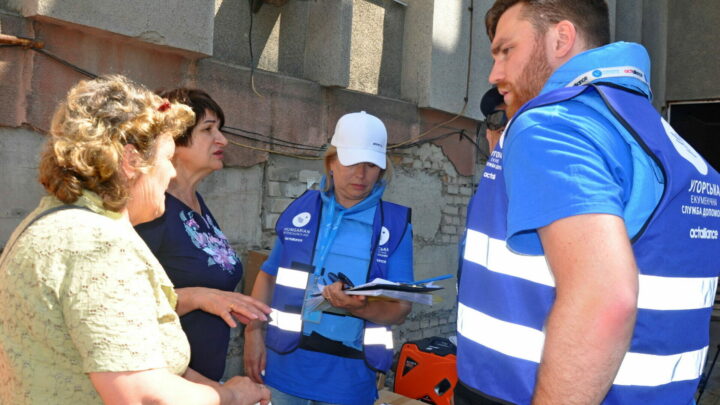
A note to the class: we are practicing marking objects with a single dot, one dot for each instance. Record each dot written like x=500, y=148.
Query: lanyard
x=328, y=232
x=618, y=71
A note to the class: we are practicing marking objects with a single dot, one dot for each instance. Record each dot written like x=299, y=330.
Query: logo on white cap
x=360, y=137
x=301, y=219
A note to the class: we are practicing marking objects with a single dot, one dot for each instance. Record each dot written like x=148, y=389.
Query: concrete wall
x=156, y=22
x=645, y=22
x=680, y=37
x=418, y=53
x=695, y=54
x=355, y=44
x=449, y=61
x=628, y=21
x=436, y=51
x=655, y=38
x=376, y=47
x=19, y=148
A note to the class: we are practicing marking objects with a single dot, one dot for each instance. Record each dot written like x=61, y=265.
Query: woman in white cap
x=327, y=241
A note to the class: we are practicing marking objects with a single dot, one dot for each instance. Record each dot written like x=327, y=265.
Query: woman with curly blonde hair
x=88, y=312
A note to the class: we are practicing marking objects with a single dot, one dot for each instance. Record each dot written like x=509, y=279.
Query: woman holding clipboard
x=326, y=357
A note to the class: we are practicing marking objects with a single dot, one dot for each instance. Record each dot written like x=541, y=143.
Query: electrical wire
x=302, y=148
x=38, y=46
x=462, y=133
x=252, y=59
x=427, y=140
x=414, y=139
x=307, y=148
x=66, y=63
x=275, y=152
x=269, y=140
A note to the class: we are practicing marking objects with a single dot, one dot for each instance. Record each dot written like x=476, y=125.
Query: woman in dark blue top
x=189, y=244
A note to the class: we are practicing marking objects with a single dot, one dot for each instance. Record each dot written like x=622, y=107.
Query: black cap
x=490, y=101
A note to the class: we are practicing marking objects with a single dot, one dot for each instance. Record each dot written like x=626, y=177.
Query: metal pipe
x=24, y=42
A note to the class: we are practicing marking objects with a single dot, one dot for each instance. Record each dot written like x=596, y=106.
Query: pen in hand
x=347, y=283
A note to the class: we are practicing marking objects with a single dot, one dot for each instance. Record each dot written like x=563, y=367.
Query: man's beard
x=533, y=77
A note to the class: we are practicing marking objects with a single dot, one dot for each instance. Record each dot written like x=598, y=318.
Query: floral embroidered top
x=80, y=292
x=195, y=253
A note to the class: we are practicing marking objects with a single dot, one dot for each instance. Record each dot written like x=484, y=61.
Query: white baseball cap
x=360, y=137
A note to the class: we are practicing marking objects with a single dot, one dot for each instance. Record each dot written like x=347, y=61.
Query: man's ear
x=565, y=42
x=129, y=162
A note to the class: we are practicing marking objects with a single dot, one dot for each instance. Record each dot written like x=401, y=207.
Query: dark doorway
x=699, y=124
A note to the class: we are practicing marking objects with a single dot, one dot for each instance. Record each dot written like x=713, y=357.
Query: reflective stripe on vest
x=527, y=344
x=494, y=255
x=292, y=278
x=285, y=320
x=659, y=293
x=378, y=336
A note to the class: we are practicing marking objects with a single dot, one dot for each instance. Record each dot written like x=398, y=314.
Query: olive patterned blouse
x=82, y=293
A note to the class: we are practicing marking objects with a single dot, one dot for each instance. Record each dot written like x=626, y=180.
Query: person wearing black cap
x=492, y=106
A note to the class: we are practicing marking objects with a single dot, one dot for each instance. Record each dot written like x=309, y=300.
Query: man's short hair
x=590, y=17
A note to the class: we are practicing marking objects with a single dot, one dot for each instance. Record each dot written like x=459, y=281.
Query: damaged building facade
x=285, y=71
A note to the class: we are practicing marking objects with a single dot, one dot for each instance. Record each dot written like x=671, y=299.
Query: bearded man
x=594, y=278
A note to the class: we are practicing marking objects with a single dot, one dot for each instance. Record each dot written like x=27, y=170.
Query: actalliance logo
x=703, y=233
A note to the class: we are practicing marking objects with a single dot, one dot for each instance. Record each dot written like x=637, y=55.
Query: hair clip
x=164, y=106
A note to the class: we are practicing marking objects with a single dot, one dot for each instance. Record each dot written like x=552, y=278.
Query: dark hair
x=590, y=17
x=199, y=101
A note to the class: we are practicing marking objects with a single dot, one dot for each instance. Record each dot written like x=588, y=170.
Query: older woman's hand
x=225, y=304
x=246, y=392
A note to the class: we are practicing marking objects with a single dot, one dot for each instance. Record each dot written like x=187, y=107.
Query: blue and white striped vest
x=505, y=297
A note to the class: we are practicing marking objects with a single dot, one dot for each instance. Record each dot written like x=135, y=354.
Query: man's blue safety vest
x=505, y=297
x=298, y=229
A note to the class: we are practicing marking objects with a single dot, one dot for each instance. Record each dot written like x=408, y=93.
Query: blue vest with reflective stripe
x=504, y=297
x=298, y=229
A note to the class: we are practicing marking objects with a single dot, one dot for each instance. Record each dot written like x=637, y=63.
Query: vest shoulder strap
x=399, y=210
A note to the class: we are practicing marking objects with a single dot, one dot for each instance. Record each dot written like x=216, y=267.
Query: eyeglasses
x=496, y=120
